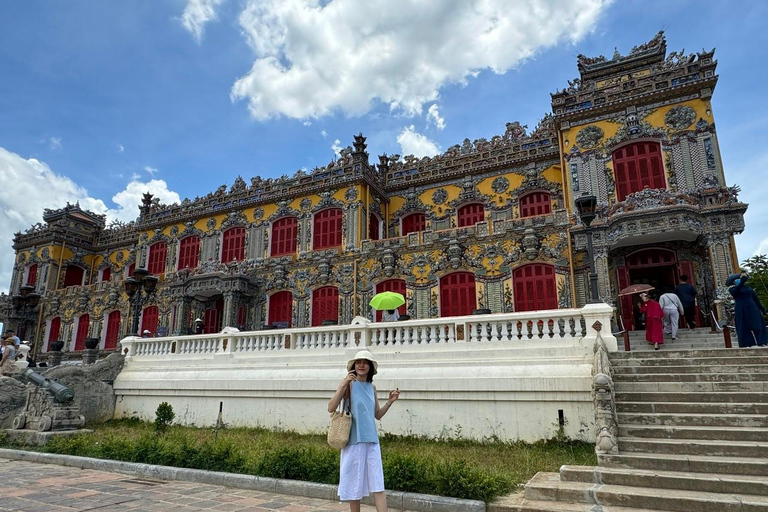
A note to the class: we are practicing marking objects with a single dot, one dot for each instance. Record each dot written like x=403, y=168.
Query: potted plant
x=91, y=343
x=56, y=346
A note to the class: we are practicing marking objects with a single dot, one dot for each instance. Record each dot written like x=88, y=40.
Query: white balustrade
x=559, y=325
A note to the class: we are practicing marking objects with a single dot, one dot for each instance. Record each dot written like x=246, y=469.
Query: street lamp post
x=25, y=303
x=141, y=281
x=586, y=205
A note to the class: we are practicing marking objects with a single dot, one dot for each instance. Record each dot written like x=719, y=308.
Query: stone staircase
x=693, y=437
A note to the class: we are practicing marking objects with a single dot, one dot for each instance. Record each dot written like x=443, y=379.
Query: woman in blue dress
x=750, y=325
x=361, y=471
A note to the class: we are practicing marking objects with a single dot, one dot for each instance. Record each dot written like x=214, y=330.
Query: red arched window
x=535, y=287
x=149, y=320
x=457, y=294
x=535, y=203
x=106, y=275
x=284, y=238
x=413, y=223
x=391, y=285
x=325, y=305
x=73, y=276
x=638, y=166
x=373, y=227
x=54, y=330
x=113, y=330
x=233, y=245
x=32, y=274
x=327, y=232
x=83, y=323
x=280, y=308
x=471, y=214
x=157, y=255
x=189, y=250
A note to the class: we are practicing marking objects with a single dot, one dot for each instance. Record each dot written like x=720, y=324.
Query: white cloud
x=55, y=142
x=336, y=147
x=433, y=115
x=413, y=143
x=30, y=185
x=314, y=57
x=150, y=170
x=307, y=123
x=120, y=148
x=324, y=134
x=197, y=13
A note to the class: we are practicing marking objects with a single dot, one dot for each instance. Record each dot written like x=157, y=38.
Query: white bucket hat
x=363, y=354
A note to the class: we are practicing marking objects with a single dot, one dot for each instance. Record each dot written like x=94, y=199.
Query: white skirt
x=361, y=472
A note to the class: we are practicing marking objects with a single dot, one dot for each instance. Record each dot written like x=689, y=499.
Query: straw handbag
x=341, y=423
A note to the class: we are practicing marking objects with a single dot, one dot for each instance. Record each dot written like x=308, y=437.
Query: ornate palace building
x=489, y=224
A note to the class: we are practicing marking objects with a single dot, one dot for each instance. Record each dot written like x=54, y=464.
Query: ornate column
x=228, y=317
x=182, y=315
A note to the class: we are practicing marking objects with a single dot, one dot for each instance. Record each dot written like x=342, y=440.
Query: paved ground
x=33, y=487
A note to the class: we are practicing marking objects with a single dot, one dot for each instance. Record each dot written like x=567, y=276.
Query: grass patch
x=457, y=468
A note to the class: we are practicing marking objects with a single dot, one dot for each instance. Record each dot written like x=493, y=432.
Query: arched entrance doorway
x=656, y=267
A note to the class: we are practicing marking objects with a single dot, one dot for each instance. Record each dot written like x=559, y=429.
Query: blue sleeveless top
x=363, y=409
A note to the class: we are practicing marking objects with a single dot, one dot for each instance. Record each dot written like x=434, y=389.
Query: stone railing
x=604, y=396
x=562, y=326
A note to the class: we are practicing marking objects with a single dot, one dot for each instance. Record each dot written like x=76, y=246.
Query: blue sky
x=101, y=101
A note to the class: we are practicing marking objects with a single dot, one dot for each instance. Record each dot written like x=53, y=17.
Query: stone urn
x=56, y=346
x=91, y=343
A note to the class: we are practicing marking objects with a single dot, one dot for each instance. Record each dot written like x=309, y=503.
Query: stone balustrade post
x=597, y=318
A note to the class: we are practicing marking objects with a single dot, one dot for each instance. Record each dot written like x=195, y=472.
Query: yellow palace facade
x=489, y=224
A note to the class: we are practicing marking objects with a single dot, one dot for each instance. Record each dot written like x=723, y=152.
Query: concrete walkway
x=34, y=487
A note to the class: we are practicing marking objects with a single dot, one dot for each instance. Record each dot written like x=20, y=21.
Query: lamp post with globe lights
x=586, y=205
x=139, y=284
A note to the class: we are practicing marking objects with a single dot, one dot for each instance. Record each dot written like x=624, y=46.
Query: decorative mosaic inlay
x=439, y=196
x=589, y=137
x=500, y=184
x=680, y=117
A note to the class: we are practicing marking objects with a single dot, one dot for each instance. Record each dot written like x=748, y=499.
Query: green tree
x=757, y=268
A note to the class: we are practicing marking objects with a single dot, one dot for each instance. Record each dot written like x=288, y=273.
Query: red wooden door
x=280, y=308
x=54, y=330
x=327, y=229
x=233, y=245
x=189, y=249
x=73, y=276
x=212, y=317
x=113, y=330
x=149, y=320
x=638, y=166
x=535, y=287
x=83, y=323
x=413, y=223
x=535, y=203
x=627, y=308
x=457, y=294
x=32, y=275
x=157, y=256
x=373, y=227
x=325, y=305
x=284, y=232
x=471, y=214
x=391, y=285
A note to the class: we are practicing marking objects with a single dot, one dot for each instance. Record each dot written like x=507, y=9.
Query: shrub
x=163, y=416
x=407, y=472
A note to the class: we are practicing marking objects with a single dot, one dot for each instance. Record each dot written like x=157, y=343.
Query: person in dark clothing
x=687, y=293
x=750, y=325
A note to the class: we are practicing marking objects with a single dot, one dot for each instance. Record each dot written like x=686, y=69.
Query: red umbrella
x=635, y=288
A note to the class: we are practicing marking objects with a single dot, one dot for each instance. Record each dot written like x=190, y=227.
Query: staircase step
x=693, y=387
x=683, y=481
x=691, y=398
x=716, y=448
x=672, y=352
x=709, y=376
x=704, y=420
x=692, y=408
x=692, y=368
x=519, y=503
x=694, y=432
x=548, y=486
x=688, y=463
x=737, y=359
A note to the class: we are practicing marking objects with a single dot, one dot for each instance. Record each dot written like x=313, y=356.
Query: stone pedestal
x=54, y=359
x=90, y=355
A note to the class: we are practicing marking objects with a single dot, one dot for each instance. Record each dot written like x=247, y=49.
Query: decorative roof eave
x=550, y=153
x=156, y=220
x=608, y=107
x=51, y=216
x=649, y=53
